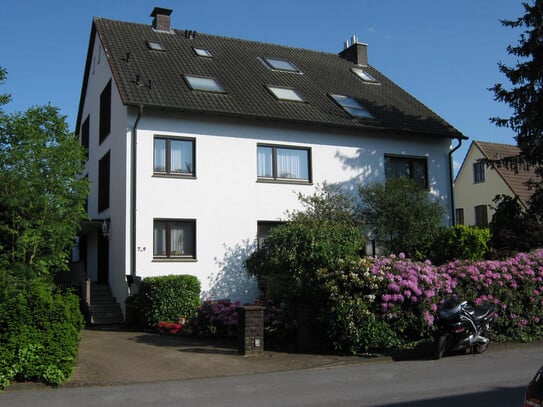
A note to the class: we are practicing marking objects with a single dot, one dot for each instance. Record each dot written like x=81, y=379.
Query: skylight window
x=282, y=93
x=203, y=83
x=280, y=65
x=202, y=52
x=352, y=106
x=155, y=46
x=366, y=77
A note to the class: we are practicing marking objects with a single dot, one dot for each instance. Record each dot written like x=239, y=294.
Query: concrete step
x=103, y=308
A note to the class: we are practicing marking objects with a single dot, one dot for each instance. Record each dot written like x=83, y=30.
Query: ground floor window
x=174, y=238
x=459, y=216
x=481, y=216
x=263, y=229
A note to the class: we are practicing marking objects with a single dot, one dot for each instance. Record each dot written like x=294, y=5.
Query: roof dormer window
x=203, y=83
x=155, y=46
x=352, y=106
x=366, y=77
x=283, y=93
x=201, y=52
x=280, y=65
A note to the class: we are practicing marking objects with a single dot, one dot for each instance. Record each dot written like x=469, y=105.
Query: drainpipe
x=451, y=182
x=133, y=173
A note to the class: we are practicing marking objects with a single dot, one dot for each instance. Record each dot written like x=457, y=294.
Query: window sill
x=176, y=176
x=283, y=181
x=174, y=260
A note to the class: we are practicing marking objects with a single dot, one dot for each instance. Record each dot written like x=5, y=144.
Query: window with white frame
x=174, y=156
x=283, y=163
x=174, y=238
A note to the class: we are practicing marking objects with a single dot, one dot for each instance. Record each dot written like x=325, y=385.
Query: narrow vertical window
x=459, y=216
x=105, y=112
x=481, y=216
x=103, y=182
x=479, y=172
x=85, y=136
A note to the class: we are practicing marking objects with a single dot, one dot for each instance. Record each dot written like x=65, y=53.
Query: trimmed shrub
x=39, y=334
x=167, y=298
x=460, y=242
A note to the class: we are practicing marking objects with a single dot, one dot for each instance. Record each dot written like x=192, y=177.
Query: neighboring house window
x=481, y=216
x=85, y=136
x=263, y=230
x=410, y=167
x=283, y=163
x=105, y=112
x=479, y=171
x=174, y=156
x=103, y=182
x=174, y=238
x=459, y=216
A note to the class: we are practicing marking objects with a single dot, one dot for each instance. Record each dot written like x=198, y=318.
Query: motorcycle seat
x=482, y=311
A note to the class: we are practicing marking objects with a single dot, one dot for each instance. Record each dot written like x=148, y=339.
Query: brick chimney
x=161, y=21
x=357, y=52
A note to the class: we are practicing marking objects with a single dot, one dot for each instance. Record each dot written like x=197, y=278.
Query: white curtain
x=292, y=164
x=264, y=162
x=181, y=156
x=159, y=240
x=160, y=155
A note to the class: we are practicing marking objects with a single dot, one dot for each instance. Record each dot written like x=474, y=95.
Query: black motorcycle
x=463, y=325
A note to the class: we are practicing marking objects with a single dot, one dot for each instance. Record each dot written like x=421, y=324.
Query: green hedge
x=39, y=334
x=167, y=298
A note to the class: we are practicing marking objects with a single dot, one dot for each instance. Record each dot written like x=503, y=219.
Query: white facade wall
x=469, y=194
x=226, y=200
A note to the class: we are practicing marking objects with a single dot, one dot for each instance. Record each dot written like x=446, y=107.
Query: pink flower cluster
x=411, y=287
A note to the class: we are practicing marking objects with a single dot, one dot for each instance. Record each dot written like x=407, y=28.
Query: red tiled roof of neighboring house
x=516, y=181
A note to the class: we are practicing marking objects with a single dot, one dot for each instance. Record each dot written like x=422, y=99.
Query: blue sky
x=443, y=53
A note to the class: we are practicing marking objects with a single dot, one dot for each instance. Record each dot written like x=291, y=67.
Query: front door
x=103, y=259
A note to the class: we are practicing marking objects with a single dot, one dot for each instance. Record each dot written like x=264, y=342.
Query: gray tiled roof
x=155, y=78
x=515, y=180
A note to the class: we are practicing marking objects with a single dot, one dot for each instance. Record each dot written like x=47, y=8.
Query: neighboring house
x=198, y=143
x=477, y=184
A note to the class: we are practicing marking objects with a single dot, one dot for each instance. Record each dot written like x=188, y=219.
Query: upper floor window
x=481, y=216
x=105, y=112
x=174, y=156
x=103, y=182
x=155, y=46
x=352, y=106
x=203, y=83
x=479, y=171
x=283, y=163
x=85, y=136
x=410, y=167
x=174, y=238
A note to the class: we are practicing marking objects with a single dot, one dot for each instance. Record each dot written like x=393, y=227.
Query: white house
x=198, y=143
x=477, y=184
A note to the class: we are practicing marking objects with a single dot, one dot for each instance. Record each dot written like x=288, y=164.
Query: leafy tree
x=317, y=237
x=401, y=215
x=525, y=97
x=41, y=196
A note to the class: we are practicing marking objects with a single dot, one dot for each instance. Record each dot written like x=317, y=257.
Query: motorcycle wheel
x=441, y=346
x=483, y=347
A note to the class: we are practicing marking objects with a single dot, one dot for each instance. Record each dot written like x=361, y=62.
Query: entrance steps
x=103, y=308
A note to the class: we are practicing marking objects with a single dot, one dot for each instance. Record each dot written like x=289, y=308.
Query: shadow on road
x=498, y=397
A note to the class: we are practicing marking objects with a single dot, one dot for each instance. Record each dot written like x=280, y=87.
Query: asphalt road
x=491, y=379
